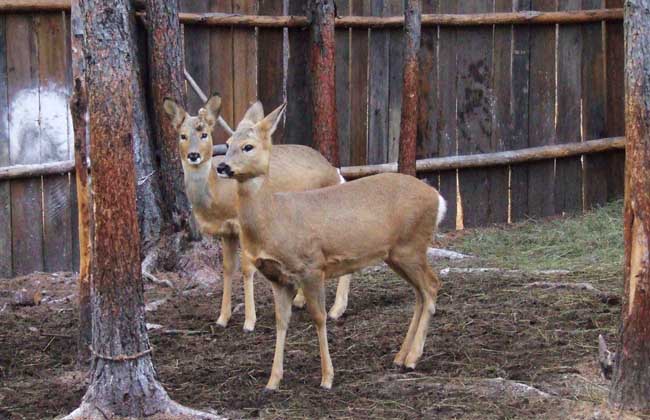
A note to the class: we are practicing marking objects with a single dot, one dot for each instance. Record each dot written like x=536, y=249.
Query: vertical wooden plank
x=244, y=60
x=55, y=141
x=359, y=87
x=542, y=112
x=395, y=76
x=25, y=147
x=497, y=177
x=593, y=108
x=298, y=115
x=568, y=171
x=221, y=69
x=474, y=111
x=197, y=52
x=270, y=63
x=447, y=88
x=519, y=111
x=378, y=89
x=343, y=85
x=615, y=104
x=5, y=192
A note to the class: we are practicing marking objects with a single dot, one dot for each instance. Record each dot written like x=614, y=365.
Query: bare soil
x=495, y=350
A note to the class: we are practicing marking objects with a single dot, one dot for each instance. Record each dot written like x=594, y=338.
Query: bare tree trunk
x=631, y=383
x=123, y=380
x=323, y=78
x=79, y=110
x=408, y=123
x=166, y=80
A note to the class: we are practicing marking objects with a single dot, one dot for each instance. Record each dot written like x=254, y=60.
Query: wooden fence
x=491, y=87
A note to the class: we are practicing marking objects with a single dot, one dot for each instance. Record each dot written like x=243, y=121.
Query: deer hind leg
x=299, y=300
x=282, y=295
x=229, y=248
x=341, y=301
x=315, y=299
x=248, y=272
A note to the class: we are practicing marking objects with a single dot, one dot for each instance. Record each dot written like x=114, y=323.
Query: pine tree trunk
x=123, y=380
x=631, y=383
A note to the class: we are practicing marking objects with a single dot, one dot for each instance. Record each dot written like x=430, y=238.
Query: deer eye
x=248, y=148
x=204, y=136
x=183, y=137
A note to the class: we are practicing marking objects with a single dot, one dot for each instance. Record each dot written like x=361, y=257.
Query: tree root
x=171, y=411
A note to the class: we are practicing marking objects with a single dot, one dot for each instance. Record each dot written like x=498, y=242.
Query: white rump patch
x=341, y=176
x=442, y=209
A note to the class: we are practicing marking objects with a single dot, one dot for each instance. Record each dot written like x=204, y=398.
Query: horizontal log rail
x=483, y=160
x=36, y=170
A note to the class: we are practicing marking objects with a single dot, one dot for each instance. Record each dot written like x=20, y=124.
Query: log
x=26, y=297
x=409, y=114
x=36, y=170
x=323, y=83
x=493, y=159
x=35, y=6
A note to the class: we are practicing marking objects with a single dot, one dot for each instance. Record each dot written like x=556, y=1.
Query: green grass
x=591, y=242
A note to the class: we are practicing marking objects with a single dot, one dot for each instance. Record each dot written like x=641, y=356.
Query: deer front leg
x=315, y=299
x=248, y=272
x=341, y=301
x=282, y=296
x=229, y=249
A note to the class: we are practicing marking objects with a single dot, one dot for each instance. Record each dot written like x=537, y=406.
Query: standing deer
x=300, y=239
x=213, y=199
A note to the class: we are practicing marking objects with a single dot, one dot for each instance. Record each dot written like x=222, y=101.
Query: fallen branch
x=153, y=306
x=609, y=298
x=438, y=253
x=197, y=89
x=445, y=272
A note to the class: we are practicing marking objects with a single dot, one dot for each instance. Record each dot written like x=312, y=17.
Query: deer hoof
x=249, y=326
x=223, y=321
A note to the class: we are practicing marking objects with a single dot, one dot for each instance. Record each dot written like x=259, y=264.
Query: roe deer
x=300, y=239
x=214, y=199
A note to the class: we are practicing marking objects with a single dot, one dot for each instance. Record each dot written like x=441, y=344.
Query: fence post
x=409, y=122
x=323, y=78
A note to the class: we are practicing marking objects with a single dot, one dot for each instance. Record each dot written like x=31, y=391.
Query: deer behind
x=213, y=199
x=300, y=239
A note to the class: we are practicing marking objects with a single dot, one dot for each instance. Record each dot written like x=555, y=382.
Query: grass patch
x=590, y=242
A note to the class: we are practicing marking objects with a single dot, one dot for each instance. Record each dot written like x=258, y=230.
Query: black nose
x=193, y=157
x=224, y=169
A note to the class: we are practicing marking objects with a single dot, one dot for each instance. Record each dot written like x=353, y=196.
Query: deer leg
x=315, y=298
x=429, y=284
x=229, y=248
x=248, y=272
x=341, y=301
x=299, y=300
x=282, y=296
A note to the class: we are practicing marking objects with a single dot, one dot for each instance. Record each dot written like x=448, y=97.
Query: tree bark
x=79, y=111
x=123, y=380
x=409, y=122
x=166, y=80
x=323, y=74
x=631, y=382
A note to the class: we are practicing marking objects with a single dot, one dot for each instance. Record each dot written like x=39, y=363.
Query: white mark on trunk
x=638, y=259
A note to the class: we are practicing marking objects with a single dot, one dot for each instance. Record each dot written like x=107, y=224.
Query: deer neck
x=255, y=201
x=199, y=183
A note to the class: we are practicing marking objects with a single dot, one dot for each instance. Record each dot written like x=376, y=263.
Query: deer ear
x=269, y=123
x=175, y=111
x=254, y=114
x=213, y=108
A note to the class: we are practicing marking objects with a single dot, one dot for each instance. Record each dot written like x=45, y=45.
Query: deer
x=298, y=240
x=213, y=199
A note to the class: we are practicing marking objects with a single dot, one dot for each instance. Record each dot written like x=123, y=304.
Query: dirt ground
x=496, y=349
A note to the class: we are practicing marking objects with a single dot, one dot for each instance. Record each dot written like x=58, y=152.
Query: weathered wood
x=359, y=87
x=409, y=114
x=378, y=88
x=34, y=6
x=519, y=111
x=36, y=170
x=270, y=62
x=593, y=109
x=568, y=171
x=631, y=381
x=322, y=68
x=541, y=178
x=244, y=61
x=166, y=80
x=447, y=89
x=24, y=143
x=298, y=127
x=197, y=51
x=222, y=71
x=427, y=132
x=395, y=81
x=199, y=92
x=477, y=19
x=484, y=160
x=55, y=136
x=5, y=192
x=343, y=106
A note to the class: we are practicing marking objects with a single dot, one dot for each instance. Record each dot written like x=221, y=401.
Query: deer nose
x=224, y=170
x=193, y=157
